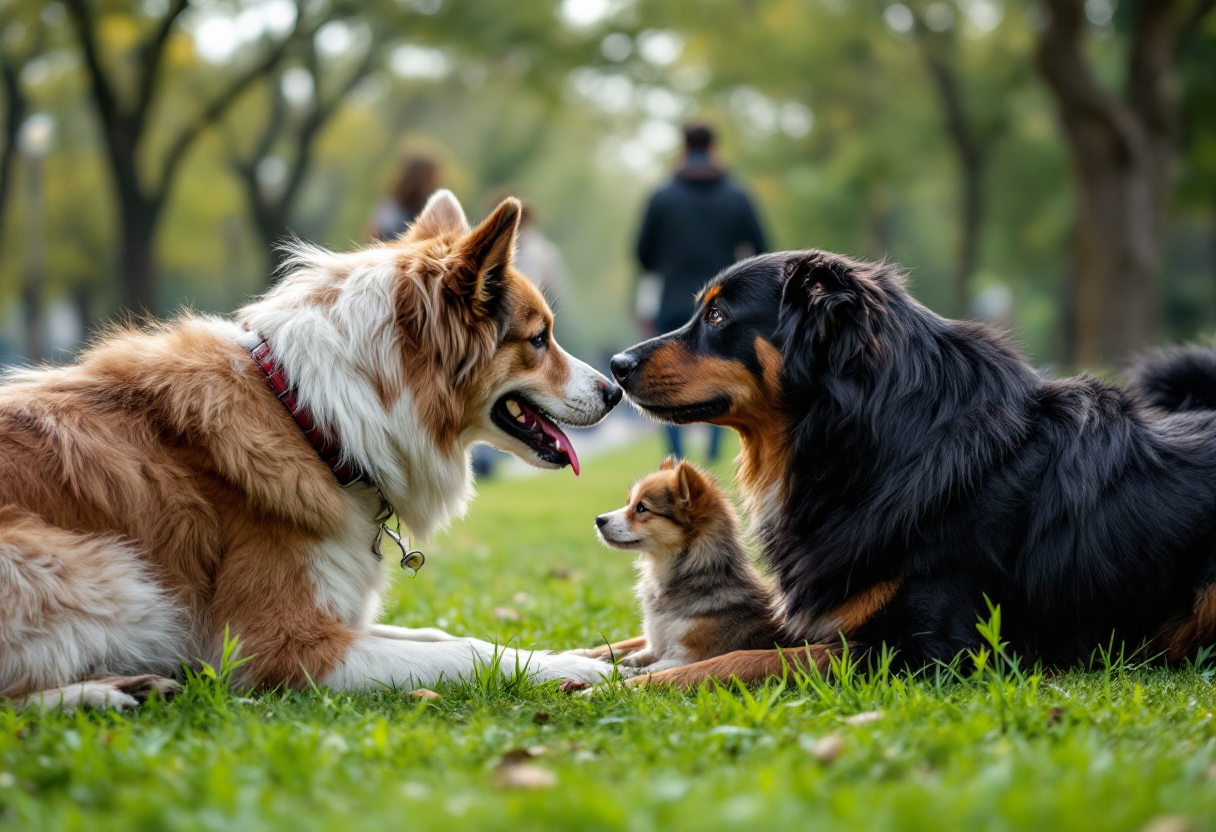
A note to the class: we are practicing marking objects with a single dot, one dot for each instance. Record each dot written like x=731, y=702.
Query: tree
x=293, y=134
x=23, y=40
x=125, y=128
x=1125, y=151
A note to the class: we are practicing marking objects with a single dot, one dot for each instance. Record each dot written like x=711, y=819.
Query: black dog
x=900, y=467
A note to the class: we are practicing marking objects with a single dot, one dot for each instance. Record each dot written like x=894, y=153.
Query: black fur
x=928, y=451
x=1176, y=380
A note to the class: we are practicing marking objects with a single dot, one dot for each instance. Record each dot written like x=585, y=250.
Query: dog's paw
x=558, y=666
x=96, y=695
x=141, y=687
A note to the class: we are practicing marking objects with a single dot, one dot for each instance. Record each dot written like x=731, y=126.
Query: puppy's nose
x=601, y=521
x=622, y=364
x=611, y=393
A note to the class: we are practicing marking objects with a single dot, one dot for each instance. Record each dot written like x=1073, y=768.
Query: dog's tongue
x=562, y=441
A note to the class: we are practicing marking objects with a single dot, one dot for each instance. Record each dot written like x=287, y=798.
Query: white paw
x=98, y=696
x=570, y=666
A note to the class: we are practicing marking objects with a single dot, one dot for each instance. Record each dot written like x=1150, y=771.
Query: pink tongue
x=554, y=432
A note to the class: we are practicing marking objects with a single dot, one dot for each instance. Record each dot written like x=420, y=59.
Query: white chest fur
x=348, y=577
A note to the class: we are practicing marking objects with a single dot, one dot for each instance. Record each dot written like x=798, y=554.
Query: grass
x=1118, y=747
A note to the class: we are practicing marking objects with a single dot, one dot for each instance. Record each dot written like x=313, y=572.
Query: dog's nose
x=622, y=364
x=601, y=521
x=611, y=393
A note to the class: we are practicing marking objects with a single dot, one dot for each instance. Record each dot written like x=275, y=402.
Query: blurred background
x=1050, y=165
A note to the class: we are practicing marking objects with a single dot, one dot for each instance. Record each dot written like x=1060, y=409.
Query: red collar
x=326, y=446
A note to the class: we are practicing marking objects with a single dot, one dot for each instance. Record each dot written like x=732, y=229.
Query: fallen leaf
x=827, y=749
x=571, y=685
x=524, y=776
x=864, y=718
x=541, y=717
x=519, y=755
x=423, y=693
x=1169, y=823
x=1056, y=714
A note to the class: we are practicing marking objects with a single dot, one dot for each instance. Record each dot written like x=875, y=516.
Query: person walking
x=696, y=224
x=418, y=179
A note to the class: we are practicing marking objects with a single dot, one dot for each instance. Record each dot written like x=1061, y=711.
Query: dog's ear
x=690, y=481
x=442, y=215
x=824, y=313
x=481, y=259
x=669, y=462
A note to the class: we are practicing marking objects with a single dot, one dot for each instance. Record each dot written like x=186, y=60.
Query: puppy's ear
x=824, y=311
x=442, y=215
x=690, y=481
x=668, y=463
x=483, y=256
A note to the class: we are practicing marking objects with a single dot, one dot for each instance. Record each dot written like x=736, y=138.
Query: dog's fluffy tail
x=1176, y=380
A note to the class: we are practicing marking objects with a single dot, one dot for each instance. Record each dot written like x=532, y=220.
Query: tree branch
x=151, y=52
x=218, y=106
x=103, y=93
x=1081, y=97
x=1202, y=7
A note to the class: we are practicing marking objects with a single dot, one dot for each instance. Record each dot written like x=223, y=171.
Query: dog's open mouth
x=518, y=417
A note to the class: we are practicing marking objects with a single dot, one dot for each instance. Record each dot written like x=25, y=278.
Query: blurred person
x=418, y=179
x=539, y=259
x=696, y=224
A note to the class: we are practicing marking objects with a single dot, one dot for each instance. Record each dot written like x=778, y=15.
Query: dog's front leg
x=374, y=661
x=412, y=633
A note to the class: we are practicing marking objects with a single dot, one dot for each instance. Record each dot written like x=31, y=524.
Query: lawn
x=1123, y=746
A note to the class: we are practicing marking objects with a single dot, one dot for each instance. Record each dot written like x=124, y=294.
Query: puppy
x=699, y=592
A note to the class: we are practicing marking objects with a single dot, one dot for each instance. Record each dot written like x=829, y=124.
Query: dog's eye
x=713, y=316
x=641, y=508
x=540, y=341
x=817, y=289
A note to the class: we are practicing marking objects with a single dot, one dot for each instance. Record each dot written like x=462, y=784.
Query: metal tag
x=411, y=559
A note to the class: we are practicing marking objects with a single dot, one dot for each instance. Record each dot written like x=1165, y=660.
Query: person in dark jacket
x=696, y=224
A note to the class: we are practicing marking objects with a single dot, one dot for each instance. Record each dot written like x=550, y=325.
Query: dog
x=699, y=592
x=903, y=470
x=206, y=474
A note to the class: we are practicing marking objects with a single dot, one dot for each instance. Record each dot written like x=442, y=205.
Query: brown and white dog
x=156, y=491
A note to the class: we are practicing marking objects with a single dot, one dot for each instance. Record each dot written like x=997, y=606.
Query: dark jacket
x=695, y=226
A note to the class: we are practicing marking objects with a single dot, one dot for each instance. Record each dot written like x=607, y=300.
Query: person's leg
x=715, y=443
x=673, y=441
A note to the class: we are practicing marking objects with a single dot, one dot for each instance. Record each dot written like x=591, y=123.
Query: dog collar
x=330, y=452
x=324, y=444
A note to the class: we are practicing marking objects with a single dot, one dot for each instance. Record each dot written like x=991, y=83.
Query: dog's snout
x=601, y=521
x=622, y=364
x=612, y=394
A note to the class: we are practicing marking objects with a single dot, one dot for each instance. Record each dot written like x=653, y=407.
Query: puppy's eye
x=714, y=316
x=641, y=508
x=540, y=341
x=817, y=289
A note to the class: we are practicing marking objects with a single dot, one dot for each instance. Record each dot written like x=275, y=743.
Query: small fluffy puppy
x=699, y=592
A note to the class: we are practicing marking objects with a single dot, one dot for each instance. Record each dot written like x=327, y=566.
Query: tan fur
x=746, y=666
x=1181, y=637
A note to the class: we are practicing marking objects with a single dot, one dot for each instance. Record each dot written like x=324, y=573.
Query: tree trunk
x=138, y=255
x=1124, y=152
x=1120, y=230
x=14, y=116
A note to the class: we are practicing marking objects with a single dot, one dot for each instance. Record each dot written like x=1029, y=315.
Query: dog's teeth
x=514, y=409
x=521, y=418
x=557, y=443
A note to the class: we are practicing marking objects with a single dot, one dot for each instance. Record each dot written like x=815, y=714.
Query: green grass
x=1113, y=748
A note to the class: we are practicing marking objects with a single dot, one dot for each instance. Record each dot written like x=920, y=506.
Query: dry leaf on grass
x=423, y=693
x=827, y=749
x=524, y=776
x=864, y=718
